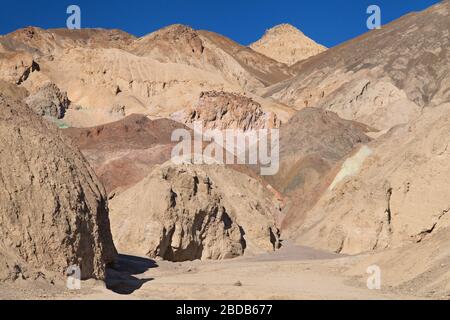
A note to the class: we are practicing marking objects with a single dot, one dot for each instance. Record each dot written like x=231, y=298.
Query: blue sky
x=329, y=22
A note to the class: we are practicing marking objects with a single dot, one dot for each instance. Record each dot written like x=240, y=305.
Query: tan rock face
x=287, y=44
x=396, y=194
x=189, y=212
x=53, y=210
x=222, y=110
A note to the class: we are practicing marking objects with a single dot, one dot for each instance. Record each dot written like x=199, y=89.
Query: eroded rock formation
x=223, y=110
x=190, y=212
x=53, y=210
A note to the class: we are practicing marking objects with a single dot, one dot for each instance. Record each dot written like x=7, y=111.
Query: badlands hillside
x=87, y=177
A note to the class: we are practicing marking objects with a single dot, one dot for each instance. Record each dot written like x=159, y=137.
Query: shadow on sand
x=120, y=277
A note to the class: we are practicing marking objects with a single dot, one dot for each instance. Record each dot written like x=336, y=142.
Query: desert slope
x=382, y=78
x=394, y=194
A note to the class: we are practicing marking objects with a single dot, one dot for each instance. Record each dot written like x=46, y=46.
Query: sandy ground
x=291, y=273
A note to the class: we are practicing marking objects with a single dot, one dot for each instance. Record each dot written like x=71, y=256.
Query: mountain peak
x=283, y=28
x=287, y=44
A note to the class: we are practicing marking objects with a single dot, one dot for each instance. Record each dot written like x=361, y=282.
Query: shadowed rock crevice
x=121, y=276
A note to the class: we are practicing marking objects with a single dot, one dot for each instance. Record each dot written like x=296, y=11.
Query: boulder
x=49, y=100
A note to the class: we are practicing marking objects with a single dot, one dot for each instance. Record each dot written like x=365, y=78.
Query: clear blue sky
x=329, y=22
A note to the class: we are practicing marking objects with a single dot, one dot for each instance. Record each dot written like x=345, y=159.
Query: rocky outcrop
x=190, y=212
x=224, y=110
x=53, y=210
x=16, y=67
x=287, y=44
x=49, y=101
